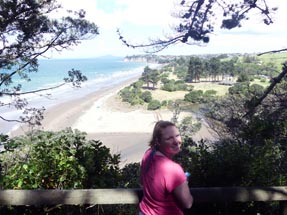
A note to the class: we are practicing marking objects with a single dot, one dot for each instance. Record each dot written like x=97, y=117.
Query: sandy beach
x=102, y=115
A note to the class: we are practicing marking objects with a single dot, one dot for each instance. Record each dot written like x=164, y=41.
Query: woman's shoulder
x=170, y=164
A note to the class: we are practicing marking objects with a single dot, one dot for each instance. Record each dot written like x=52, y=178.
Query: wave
x=66, y=92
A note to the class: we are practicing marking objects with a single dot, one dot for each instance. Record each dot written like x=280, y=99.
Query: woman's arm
x=183, y=196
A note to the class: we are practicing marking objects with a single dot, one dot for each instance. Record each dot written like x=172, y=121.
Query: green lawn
x=204, y=86
x=165, y=95
x=263, y=84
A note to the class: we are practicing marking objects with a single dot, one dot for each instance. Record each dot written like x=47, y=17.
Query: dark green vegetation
x=251, y=151
x=251, y=119
x=181, y=73
x=61, y=160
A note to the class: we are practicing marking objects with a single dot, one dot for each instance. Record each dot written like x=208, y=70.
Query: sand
x=102, y=115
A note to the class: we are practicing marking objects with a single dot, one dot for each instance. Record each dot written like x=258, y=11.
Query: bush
x=164, y=103
x=146, y=96
x=126, y=94
x=189, y=87
x=57, y=160
x=132, y=94
x=243, y=77
x=136, y=101
x=229, y=163
x=154, y=105
x=194, y=96
x=169, y=86
x=172, y=85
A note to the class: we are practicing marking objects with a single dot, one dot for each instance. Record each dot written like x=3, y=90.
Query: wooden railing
x=133, y=196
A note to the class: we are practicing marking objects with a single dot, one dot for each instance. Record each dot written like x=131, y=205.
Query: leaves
x=58, y=160
x=28, y=32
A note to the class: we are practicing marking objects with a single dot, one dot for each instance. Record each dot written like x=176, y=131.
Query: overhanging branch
x=268, y=90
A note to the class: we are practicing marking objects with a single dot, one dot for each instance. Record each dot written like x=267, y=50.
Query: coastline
x=120, y=127
x=131, y=145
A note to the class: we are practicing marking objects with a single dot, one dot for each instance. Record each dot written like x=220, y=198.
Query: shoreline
x=65, y=114
x=103, y=116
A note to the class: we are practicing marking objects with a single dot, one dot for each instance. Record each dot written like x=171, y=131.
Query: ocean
x=102, y=72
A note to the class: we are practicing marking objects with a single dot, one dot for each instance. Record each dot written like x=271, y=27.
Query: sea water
x=102, y=73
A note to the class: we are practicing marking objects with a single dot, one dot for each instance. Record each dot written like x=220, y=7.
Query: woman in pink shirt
x=165, y=187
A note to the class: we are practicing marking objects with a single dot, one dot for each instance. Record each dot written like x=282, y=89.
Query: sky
x=139, y=20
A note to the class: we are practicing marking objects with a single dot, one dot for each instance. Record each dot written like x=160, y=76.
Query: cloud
x=148, y=12
x=140, y=20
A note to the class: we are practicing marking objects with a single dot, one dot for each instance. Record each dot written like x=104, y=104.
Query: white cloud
x=151, y=18
x=148, y=12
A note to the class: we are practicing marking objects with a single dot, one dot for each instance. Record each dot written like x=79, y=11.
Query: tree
x=196, y=24
x=195, y=68
x=27, y=32
x=251, y=114
x=227, y=67
x=196, y=21
x=146, y=75
x=214, y=64
x=74, y=162
x=154, y=77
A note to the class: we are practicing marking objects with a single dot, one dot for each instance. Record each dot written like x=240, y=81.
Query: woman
x=165, y=186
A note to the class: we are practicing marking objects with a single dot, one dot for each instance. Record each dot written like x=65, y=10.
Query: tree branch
x=274, y=51
x=32, y=91
x=10, y=120
x=268, y=90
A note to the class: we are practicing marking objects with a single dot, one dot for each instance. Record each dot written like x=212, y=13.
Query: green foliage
x=195, y=96
x=146, y=96
x=228, y=163
x=130, y=176
x=187, y=127
x=138, y=84
x=239, y=88
x=132, y=95
x=164, y=103
x=243, y=77
x=172, y=85
x=209, y=94
x=29, y=32
x=195, y=68
x=102, y=167
x=154, y=105
x=150, y=76
x=164, y=80
x=57, y=160
x=169, y=86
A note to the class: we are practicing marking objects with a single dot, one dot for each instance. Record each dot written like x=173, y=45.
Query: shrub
x=164, y=103
x=194, y=96
x=154, y=105
x=243, y=77
x=169, y=86
x=58, y=160
x=131, y=94
x=146, y=96
x=172, y=85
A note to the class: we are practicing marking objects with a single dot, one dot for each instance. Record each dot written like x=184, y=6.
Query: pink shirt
x=160, y=176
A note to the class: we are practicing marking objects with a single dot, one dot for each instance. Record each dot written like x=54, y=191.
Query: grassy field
x=204, y=86
x=276, y=58
x=221, y=90
x=263, y=84
x=165, y=95
x=162, y=95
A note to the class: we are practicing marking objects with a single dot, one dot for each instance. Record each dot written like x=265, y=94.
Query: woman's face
x=170, y=141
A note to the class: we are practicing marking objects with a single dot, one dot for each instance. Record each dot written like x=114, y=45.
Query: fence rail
x=133, y=196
